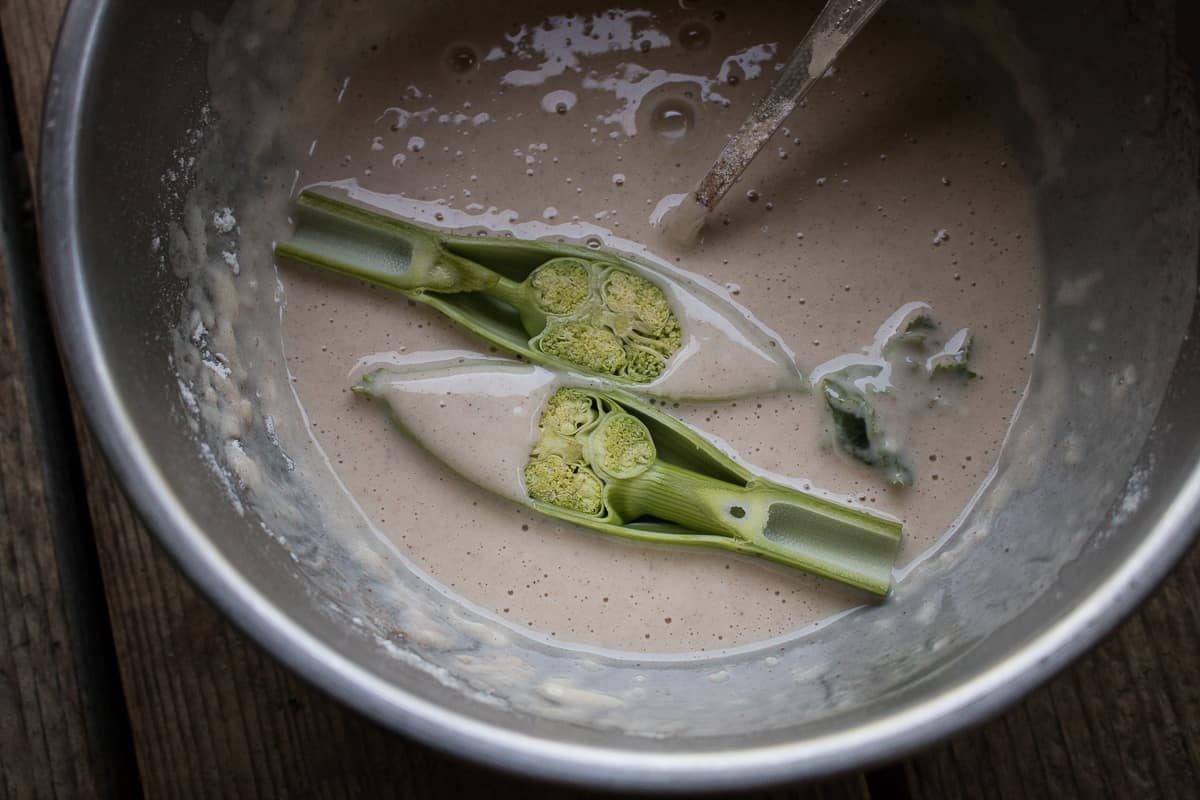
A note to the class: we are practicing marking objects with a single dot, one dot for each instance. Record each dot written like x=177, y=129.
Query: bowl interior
x=1095, y=494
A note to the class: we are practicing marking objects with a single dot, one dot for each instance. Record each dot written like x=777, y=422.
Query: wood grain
x=43, y=686
x=212, y=715
x=63, y=728
x=41, y=702
x=30, y=28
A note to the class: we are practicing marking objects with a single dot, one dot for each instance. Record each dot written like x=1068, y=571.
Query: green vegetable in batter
x=858, y=432
x=566, y=307
x=613, y=464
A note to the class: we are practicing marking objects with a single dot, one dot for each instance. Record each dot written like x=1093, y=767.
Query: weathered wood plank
x=41, y=714
x=30, y=27
x=63, y=729
x=43, y=739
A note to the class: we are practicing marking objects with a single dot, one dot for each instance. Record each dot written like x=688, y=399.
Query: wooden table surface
x=117, y=678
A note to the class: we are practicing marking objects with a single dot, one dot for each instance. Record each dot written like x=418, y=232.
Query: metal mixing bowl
x=1097, y=493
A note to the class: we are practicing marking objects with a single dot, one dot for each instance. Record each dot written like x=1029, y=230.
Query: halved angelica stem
x=607, y=461
x=570, y=308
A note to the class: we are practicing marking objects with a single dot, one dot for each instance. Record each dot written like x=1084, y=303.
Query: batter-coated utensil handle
x=836, y=26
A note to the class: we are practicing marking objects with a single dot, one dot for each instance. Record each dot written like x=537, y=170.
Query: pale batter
x=892, y=185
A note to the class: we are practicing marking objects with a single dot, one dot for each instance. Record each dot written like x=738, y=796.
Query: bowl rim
x=967, y=702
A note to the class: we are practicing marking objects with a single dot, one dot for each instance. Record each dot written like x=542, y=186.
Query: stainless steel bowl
x=1097, y=494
